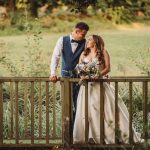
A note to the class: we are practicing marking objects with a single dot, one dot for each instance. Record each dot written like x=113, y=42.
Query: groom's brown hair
x=82, y=26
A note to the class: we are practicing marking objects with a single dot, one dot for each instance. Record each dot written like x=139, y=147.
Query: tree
x=34, y=8
x=12, y=5
x=79, y=5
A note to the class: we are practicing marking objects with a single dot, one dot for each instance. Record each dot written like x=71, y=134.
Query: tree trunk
x=12, y=5
x=34, y=8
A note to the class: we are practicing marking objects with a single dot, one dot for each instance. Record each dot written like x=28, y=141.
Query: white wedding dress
x=94, y=115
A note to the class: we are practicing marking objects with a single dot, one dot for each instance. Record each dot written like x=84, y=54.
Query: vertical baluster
x=117, y=130
x=130, y=114
x=145, y=111
x=63, y=108
x=54, y=110
x=71, y=110
x=47, y=112
x=86, y=113
x=40, y=111
x=66, y=111
x=16, y=114
x=101, y=113
x=1, y=113
x=12, y=110
x=32, y=112
x=25, y=108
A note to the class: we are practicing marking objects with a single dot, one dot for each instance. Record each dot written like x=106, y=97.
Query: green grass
x=123, y=45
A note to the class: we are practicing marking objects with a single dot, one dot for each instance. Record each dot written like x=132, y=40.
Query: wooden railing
x=37, y=113
x=30, y=112
x=68, y=117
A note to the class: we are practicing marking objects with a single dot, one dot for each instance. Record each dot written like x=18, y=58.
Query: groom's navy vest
x=70, y=59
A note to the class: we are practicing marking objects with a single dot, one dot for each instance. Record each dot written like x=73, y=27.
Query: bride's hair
x=100, y=47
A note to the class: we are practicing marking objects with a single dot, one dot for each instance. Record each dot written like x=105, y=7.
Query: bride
x=96, y=56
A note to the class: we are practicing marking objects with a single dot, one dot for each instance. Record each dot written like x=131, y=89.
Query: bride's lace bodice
x=92, y=62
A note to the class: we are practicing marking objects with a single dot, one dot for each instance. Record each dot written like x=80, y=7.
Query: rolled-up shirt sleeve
x=56, y=56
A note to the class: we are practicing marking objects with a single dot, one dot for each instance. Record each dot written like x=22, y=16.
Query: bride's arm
x=106, y=67
x=81, y=58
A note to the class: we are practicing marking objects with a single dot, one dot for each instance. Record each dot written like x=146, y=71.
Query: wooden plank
x=130, y=113
x=23, y=79
x=40, y=111
x=117, y=130
x=86, y=113
x=12, y=110
x=63, y=108
x=115, y=79
x=110, y=146
x=16, y=113
x=111, y=79
x=1, y=113
x=66, y=120
x=32, y=112
x=145, y=111
x=54, y=110
x=25, y=109
x=26, y=146
x=47, y=112
x=102, y=113
x=71, y=111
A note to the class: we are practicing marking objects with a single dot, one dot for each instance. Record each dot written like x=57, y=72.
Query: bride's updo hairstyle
x=99, y=43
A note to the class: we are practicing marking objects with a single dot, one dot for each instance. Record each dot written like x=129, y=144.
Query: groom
x=69, y=49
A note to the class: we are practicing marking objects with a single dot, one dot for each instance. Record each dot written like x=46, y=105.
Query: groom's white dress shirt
x=57, y=53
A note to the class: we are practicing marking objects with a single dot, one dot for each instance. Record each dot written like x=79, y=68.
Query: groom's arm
x=55, y=59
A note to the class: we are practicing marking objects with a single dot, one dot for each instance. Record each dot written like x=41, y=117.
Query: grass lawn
x=123, y=45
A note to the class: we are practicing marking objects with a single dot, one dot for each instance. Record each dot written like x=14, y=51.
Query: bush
x=142, y=61
x=33, y=64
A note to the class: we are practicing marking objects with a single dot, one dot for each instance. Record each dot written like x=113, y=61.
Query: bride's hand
x=82, y=80
x=95, y=77
x=84, y=77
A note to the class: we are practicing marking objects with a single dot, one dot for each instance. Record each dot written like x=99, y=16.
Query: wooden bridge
x=37, y=113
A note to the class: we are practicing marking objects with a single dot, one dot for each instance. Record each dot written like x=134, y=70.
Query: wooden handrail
x=110, y=79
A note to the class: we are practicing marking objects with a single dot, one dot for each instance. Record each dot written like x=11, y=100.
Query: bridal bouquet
x=86, y=70
x=89, y=71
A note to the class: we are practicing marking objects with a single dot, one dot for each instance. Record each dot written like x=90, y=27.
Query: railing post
x=71, y=109
x=145, y=112
x=86, y=113
x=25, y=110
x=130, y=113
x=54, y=110
x=32, y=112
x=16, y=113
x=66, y=114
x=47, y=112
x=1, y=113
x=12, y=109
x=40, y=110
x=101, y=113
x=117, y=130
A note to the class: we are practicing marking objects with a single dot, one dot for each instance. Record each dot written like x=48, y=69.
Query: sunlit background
x=30, y=29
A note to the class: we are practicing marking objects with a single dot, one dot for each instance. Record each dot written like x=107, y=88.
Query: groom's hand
x=53, y=78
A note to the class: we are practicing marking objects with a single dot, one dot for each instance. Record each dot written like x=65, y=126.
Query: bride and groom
x=78, y=53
